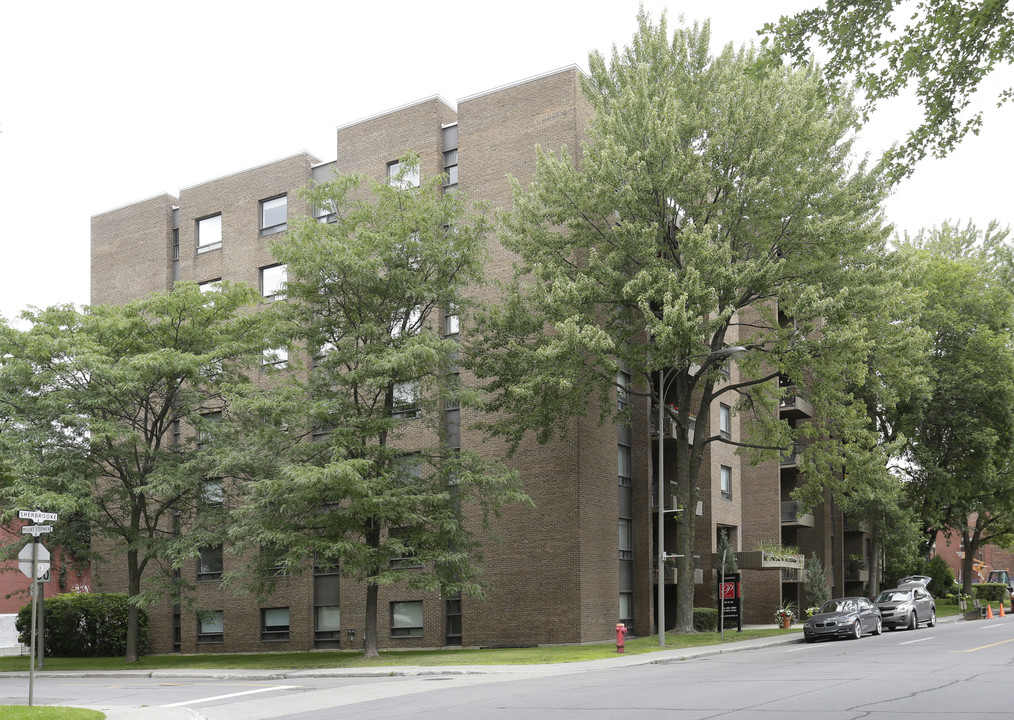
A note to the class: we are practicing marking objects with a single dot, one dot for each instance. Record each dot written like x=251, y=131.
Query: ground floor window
x=275, y=623
x=407, y=619
x=627, y=608
x=210, y=627
x=453, y=621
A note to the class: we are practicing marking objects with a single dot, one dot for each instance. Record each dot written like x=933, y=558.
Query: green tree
x=943, y=49
x=960, y=449
x=815, y=584
x=91, y=402
x=381, y=490
x=711, y=208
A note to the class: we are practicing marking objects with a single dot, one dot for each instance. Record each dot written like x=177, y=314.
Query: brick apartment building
x=560, y=574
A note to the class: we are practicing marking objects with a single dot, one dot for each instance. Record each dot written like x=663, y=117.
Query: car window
x=894, y=596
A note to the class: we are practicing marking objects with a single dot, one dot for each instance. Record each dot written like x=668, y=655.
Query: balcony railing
x=794, y=403
x=792, y=515
x=790, y=457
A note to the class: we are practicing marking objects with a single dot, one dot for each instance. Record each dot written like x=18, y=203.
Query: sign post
x=729, y=596
x=35, y=552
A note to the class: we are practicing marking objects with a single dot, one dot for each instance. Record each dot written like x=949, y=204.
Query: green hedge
x=990, y=591
x=705, y=619
x=85, y=625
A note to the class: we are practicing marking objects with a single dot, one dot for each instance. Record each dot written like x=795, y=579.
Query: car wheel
x=933, y=618
x=879, y=628
x=857, y=631
x=913, y=621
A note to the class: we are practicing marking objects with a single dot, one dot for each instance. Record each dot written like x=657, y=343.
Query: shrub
x=85, y=625
x=943, y=577
x=989, y=591
x=705, y=619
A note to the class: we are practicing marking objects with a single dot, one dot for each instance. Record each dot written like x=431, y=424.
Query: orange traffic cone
x=1001, y=614
x=989, y=611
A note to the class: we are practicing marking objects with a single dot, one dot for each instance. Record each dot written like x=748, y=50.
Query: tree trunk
x=372, y=593
x=133, y=591
x=874, y=584
x=370, y=637
x=686, y=521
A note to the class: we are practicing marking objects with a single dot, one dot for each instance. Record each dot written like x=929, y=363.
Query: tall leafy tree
x=960, y=449
x=97, y=407
x=355, y=463
x=943, y=49
x=712, y=207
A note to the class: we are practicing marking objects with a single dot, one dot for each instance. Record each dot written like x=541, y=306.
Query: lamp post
x=737, y=351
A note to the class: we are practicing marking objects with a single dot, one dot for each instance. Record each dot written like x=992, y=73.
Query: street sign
x=25, y=560
x=36, y=530
x=37, y=516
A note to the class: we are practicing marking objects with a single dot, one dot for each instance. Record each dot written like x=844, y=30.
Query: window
x=451, y=168
x=272, y=560
x=273, y=281
x=627, y=608
x=327, y=623
x=726, y=482
x=452, y=428
x=406, y=399
x=622, y=390
x=211, y=492
x=453, y=615
x=407, y=619
x=626, y=538
x=209, y=566
x=403, y=176
x=326, y=212
x=452, y=324
x=210, y=627
x=275, y=623
x=274, y=215
x=725, y=421
x=177, y=432
x=210, y=285
x=407, y=559
x=209, y=233
x=206, y=428
x=623, y=464
x=277, y=358
x=450, y=143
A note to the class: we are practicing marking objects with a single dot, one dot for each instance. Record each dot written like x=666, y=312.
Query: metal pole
x=35, y=602
x=661, y=512
x=721, y=600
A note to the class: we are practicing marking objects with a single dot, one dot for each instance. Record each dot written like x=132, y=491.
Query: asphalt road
x=955, y=670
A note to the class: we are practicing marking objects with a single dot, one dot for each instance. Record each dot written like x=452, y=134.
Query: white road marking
x=909, y=642
x=231, y=695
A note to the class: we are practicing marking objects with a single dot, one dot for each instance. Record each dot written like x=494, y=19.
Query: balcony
x=790, y=458
x=764, y=560
x=672, y=574
x=669, y=426
x=794, y=404
x=793, y=517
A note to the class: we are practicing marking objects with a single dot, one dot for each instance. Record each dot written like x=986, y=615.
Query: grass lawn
x=354, y=659
x=37, y=712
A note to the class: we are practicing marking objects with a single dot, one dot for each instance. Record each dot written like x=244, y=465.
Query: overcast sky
x=106, y=103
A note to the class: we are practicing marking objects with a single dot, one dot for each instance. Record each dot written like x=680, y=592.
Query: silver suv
x=907, y=605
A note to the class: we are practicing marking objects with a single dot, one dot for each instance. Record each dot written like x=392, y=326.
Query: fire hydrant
x=621, y=631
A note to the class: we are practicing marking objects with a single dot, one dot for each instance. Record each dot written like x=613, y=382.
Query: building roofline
x=303, y=153
x=532, y=78
x=431, y=98
x=174, y=198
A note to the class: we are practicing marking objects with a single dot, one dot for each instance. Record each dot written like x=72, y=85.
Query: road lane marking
x=983, y=647
x=991, y=626
x=230, y=695
x=909, y=642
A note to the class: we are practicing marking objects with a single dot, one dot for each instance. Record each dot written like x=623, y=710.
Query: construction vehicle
x=1002, y=576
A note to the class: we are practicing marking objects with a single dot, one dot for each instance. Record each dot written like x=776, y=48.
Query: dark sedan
x=844, y=617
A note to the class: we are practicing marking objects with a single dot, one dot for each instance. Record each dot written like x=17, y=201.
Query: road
x=955, y=670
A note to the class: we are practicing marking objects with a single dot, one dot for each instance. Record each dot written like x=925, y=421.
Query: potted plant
x=786, y=614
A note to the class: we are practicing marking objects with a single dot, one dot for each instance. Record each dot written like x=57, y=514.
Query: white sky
x=106, y=103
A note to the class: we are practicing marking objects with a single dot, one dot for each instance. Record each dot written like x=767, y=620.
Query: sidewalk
x=659, y=657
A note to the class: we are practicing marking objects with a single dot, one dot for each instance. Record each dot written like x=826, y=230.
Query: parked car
x=908, y=604
x=848, y=617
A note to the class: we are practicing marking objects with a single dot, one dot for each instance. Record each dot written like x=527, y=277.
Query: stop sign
x=25, y=560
